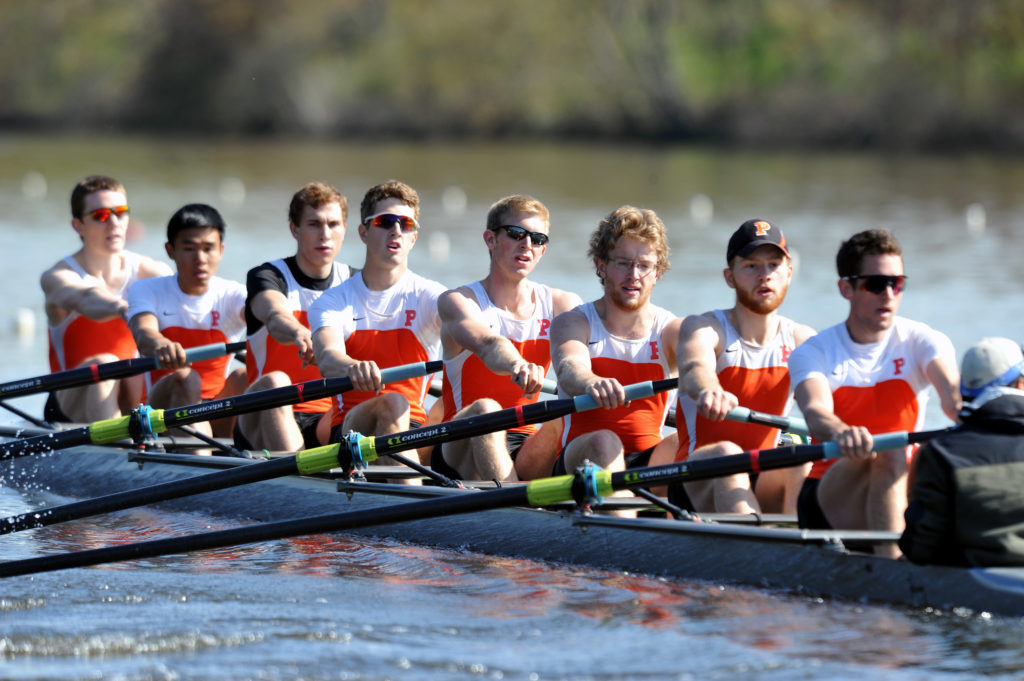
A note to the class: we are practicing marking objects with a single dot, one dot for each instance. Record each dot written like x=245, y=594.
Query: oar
x=789, y=424
x=318, y=459
x=96, y=373
x=144, y=421
x=581, y=485
x=548, y=386
x=365, y=449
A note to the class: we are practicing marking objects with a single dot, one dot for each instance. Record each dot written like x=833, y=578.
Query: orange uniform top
x=467, y=379
x=629, y=361
x=756, y=374
x=264, y=354
x=882, y=386
x=77, y=337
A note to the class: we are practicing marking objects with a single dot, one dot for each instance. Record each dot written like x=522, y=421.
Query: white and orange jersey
x=758, y=375
x=882, y=386
x=211, y=317
x=629, y=361
x=264, y=354
x=396, y=326
x=77, y=337
x=467, y=379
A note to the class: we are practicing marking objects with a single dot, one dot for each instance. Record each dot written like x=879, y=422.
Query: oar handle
x=407, y=371
x=201, y=353
x=881, y=442
x=790, y=424
x=634, y=391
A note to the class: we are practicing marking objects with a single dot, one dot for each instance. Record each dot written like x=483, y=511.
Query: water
x=335, y=608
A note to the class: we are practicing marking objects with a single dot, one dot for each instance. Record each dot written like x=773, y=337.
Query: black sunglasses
x=877, y=283
x=519, y=233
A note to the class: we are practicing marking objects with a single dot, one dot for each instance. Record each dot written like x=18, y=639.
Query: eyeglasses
x=103, y=214
x=519, y=233
x=642, y=267
x=878, y=283
x=389, y=220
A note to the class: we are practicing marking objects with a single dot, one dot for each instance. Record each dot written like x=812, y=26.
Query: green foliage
x=897, y=73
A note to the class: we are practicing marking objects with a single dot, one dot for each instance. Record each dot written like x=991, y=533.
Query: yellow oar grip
x=547, y=491
x=119, y=428
x=317, y=459
x=109, y=430
x=368, y=448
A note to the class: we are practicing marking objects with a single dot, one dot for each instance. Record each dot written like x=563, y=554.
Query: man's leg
x=271, y=429
x=484, y=457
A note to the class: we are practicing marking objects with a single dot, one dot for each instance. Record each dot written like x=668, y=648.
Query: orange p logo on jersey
x=762, y=227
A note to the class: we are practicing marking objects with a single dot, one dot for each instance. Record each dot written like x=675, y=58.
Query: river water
x=379, y=610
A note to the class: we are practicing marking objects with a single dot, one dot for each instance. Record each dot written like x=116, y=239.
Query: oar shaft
x=241, y=475
x=430, y=508
x=160, y=420
x=96, y=373
x=789, y=424
x=371, y=447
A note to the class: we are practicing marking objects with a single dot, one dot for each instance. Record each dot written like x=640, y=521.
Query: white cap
x=990, y=362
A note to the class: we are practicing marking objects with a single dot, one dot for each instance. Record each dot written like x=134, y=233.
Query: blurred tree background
x=912, y=74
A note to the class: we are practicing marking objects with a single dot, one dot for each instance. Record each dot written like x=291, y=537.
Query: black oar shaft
x=430, y=508
x=104, y=372
x=471, y=426
x=113, y=430
x=241, y=475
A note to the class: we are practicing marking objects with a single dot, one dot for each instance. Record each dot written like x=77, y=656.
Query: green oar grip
x=110, y=430
x=882, y=442
x=404, y=372
x=547, y=491
x=634, y=391
x=318, y=459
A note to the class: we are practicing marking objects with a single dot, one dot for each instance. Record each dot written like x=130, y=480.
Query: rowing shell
x=817, y=563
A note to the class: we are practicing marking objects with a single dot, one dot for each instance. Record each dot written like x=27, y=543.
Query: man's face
x=514, y=250
x=196, y=253
x=319, y=234
x=874, y=310
x=629, y=273
x=389, y=243
x=761, y=279
x=101, y=226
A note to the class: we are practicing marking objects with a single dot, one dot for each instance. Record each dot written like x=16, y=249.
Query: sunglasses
x=389, y=220
x=519, y=233
x=103, y=214
x=878, y=283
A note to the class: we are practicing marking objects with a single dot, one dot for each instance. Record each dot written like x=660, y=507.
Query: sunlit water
x=337, y=608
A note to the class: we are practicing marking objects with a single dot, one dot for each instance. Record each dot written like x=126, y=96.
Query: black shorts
x=513, y=441
x=633, y=460
x=808, y=511
x=307, y=421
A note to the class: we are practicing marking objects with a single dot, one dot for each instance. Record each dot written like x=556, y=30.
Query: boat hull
x=808, y=562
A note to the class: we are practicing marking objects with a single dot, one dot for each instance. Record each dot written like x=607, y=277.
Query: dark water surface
x=334, y=608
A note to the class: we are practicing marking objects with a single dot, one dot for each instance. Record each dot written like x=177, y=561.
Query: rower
x=496, y=327
x=384, y=316
x=280, y=346
x=868, y=374
x=966, y=504
x=194, y=307
x=85, y=303
x=621, y=338
x=734, y=357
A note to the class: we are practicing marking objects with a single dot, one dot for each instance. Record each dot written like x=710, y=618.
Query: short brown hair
x=869, y=242
x=392, y=189
x=90, y=185
x=517, y=204
x=641, y=224
x=314, y=195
